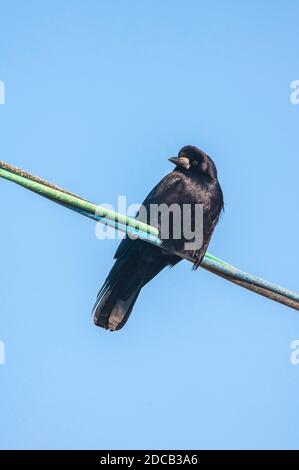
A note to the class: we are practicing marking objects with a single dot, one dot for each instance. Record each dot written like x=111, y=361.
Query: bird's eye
x=194, y=163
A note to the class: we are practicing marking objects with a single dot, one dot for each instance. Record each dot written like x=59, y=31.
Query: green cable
x=69, y=200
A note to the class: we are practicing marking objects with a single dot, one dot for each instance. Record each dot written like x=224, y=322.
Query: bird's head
x=193, y=159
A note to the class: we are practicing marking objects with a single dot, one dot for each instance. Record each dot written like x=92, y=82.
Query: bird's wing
x=164, y=192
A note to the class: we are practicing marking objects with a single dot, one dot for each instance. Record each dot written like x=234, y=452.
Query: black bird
x=193, y=181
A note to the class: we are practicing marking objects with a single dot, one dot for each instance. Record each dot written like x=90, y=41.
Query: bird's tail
x=112, y=312
x=123, y=284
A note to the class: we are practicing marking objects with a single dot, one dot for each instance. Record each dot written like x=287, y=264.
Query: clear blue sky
x=98, y=95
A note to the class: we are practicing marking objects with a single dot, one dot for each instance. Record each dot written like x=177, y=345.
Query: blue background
x=98, y=95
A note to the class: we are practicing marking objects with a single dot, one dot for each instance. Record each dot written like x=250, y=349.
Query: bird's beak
x=181, y=161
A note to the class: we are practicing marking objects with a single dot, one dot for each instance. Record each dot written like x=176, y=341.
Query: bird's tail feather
x=122, y=286
x=111, y=312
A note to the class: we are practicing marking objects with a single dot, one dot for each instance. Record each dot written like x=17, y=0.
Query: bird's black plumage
x=193, y=181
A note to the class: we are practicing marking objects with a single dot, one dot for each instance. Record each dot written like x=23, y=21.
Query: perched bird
x=192, y=182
